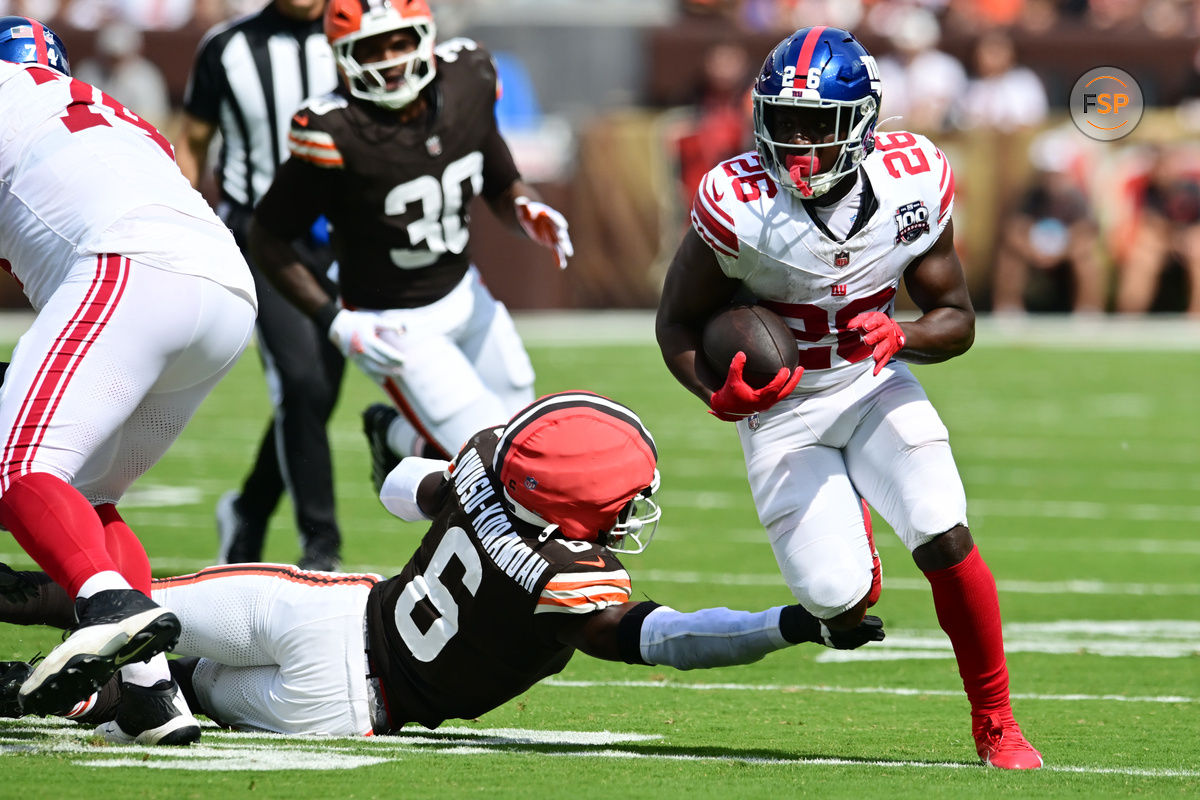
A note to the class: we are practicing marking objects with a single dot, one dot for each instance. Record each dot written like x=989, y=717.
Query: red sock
x=57, y=527
x=125, y=548
x=968, y=610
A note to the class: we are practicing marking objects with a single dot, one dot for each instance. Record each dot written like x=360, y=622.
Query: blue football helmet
x=27, y=41
x=818, y=82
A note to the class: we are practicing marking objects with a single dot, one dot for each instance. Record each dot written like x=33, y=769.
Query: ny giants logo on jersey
x=912, y=220
x=838, y=290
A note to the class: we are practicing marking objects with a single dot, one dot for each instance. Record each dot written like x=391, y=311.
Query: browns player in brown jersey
x=393, y=159
x=518, y=570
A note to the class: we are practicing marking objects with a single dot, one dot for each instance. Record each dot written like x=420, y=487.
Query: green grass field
x=1082, y=467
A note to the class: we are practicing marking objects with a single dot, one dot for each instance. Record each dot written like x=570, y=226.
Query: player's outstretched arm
x=938, y=286
x=647, y=633
x=694, y=289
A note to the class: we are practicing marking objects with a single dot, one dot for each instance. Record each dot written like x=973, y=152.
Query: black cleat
x=15, y=587
x=319, y=562
x=115, y=627
x=154, y=715
x=12, y=675
x=377, y=418
x=239, y=541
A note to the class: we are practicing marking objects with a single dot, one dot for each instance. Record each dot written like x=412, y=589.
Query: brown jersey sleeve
x=499, y=169
x=304, y=182
x=296, y=198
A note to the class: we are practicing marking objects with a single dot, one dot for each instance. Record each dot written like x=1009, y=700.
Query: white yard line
x=919, y=584
x=878, y=690
x=224, y=751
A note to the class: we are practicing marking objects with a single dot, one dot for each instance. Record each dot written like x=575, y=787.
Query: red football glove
x=738, y=399
x=881, y=332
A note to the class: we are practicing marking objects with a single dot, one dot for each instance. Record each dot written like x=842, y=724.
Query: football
x=760, y=333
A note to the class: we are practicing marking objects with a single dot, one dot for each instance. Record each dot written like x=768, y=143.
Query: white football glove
x=356, y=334
x=547, y=227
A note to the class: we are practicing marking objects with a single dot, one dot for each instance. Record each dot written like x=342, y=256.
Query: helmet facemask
x=795, y=166
x=368, y=81
x=637, y=522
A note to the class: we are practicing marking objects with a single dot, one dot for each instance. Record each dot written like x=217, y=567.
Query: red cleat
x=1000, y=743
x=876, y=564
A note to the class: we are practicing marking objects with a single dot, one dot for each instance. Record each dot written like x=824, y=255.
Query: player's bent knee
x=832, y=593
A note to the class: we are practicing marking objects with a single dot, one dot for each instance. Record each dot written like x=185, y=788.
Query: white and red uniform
x=143, y=299
x=843, y=433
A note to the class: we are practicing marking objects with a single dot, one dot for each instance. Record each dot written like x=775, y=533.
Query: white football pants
x=811, y=457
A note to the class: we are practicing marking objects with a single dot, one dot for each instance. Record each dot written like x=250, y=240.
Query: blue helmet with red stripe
x=27, y=41
x=816, y=102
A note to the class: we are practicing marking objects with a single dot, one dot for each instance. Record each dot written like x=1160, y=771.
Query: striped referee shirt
x=249, y=76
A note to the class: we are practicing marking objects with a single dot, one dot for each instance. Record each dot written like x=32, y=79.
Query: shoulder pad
x=736, y=180
x=325, y=103
x=453, y=49
x=916, y=162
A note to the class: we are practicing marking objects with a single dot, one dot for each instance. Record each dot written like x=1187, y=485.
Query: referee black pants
x=294, y=453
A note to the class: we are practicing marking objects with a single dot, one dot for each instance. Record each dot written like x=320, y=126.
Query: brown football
x=760, y=333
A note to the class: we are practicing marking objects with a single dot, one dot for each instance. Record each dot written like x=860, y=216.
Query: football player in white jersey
x=143, y=303
x=820, y=225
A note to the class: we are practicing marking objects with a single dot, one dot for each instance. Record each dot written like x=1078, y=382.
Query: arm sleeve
x=399, y=491
x=711, y=637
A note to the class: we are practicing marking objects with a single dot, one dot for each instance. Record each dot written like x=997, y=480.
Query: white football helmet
x=348, y=22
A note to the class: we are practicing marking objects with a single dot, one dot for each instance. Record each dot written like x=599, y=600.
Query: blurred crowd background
x=616, y=108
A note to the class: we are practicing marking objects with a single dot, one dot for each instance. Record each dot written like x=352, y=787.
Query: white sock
x=102, y=582
x=147, y=673
x=403, y=438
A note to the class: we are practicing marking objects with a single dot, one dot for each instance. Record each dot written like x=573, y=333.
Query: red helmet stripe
x=39, y=39
x=804, y=61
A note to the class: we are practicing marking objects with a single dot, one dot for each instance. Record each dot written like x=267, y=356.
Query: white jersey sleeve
x=724, y=211
x=909, y=168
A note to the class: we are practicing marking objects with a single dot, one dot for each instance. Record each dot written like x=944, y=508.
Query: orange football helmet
x=584, y=465
x=348, y=22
